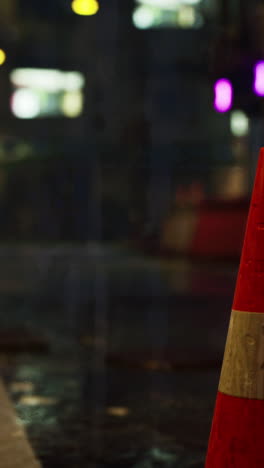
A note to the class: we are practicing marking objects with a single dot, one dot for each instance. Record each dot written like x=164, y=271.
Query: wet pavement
x=76, y=415
x=134, y=352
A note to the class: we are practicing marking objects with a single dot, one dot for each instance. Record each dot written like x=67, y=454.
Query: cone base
x=236, y=439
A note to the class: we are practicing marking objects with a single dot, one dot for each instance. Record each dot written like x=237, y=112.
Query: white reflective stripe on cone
x=243, y=366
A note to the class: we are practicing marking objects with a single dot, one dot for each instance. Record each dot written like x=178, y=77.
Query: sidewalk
x=15, y=450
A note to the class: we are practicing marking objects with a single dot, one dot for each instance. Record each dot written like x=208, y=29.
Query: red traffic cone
x=237, y=435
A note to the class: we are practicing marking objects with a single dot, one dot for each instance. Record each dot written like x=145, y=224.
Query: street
x=134, y=349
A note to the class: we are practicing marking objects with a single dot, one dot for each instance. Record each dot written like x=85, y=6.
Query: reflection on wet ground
x=135, y=347
x=75, y=414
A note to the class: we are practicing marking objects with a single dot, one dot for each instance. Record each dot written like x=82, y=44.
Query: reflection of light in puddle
x=118, y=411
x=34, y=400
x=179, y=457
x=23, y=387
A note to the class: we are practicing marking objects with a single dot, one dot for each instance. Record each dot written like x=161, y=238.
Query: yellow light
x=2, y=56
x=186, y=16
x=72, y=103
x=85, y=7
x=118, y=411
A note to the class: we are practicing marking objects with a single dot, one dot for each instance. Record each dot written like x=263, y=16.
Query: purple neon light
x=223, y=95
x=259, y=78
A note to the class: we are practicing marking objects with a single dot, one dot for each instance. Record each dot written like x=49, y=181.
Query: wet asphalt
x=134, y=345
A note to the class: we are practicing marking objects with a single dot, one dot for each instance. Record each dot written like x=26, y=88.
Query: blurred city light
x=25, y=104
x=186, y=17
x=85, y=7
x=230, y=182
x=259, y=78
x=72, y=103
x=223, y=95
x=167, y=13
x=168, y=4
x=191, y=2
x=2, y=56
x=144, y=17
x=239, y=123
x=47, y=79
x=46, y=93
x=118, y=411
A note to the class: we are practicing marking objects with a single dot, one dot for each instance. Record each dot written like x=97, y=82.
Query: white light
x=161, y=4
x=239, y=123
x=168, y=4
x=25, y=104
x=72, y=104
x=72, y=81
x=144, y=17
x=186, y=17
x=191, y=2
x=46, y=79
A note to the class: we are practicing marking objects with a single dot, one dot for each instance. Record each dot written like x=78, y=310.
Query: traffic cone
x=237, y=434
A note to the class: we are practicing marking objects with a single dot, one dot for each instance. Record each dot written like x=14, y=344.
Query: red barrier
x=220, y=229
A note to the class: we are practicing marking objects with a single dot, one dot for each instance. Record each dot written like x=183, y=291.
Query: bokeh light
x=239, y=123
x=50, y=80
x=259, y=79
x=167, y=13
x=223, y=95
x=46, y=92
x=186, y=16
x=25, y=104
x=72, y=103
x=2, y=56
x=144, y=17
x=172, y=5
x=85, y=7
